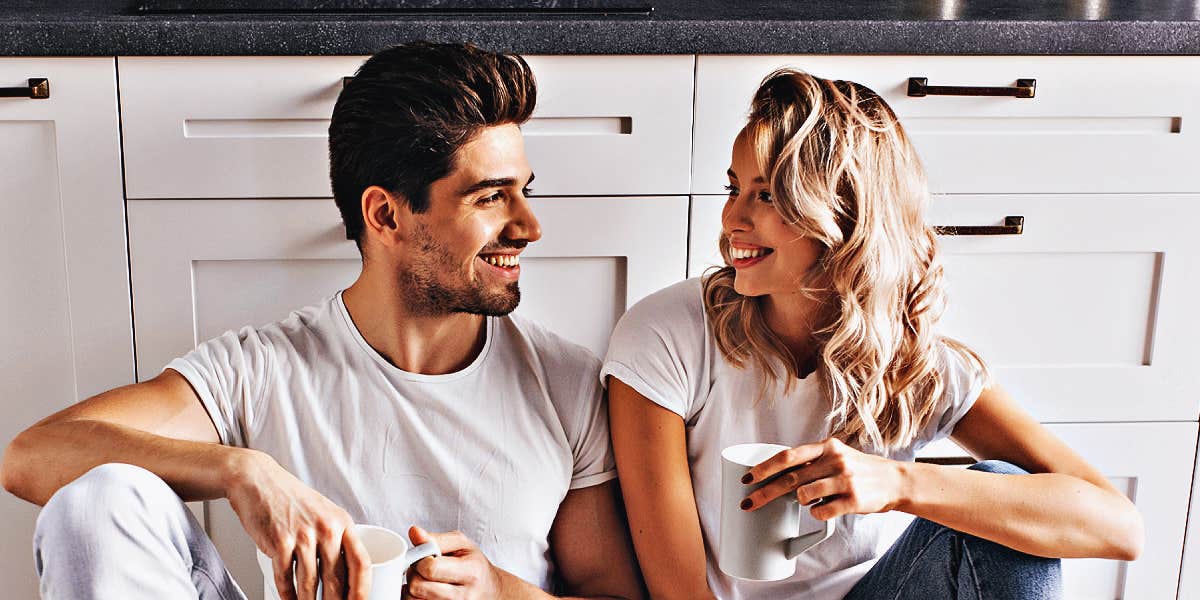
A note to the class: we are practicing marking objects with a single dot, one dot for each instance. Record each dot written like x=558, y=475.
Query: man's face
x=462, y=255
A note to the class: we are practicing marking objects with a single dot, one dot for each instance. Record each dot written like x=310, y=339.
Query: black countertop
x=125, y=27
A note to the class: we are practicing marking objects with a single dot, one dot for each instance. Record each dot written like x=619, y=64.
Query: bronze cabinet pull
x=39, y=88
x=918, y=87
x=1012, y=226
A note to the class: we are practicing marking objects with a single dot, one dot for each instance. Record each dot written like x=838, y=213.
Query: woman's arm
x=650, y=445
x=1064, y=509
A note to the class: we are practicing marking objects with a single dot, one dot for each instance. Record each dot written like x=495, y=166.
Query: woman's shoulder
x=679, y=306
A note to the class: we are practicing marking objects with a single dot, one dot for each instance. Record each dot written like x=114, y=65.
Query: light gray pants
x=120, y=532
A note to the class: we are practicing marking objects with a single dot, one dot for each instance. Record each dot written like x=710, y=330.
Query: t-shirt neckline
x=352, y=330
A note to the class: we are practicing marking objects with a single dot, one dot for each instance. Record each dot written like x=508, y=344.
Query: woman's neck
x=792, y=318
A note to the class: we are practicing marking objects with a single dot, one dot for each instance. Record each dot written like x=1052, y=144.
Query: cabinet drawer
x=248, y=127
x=1096, y=124
x=1088, y=315
x=1151, y=463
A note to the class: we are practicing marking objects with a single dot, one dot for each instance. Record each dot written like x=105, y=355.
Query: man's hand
x=462, y=572
x=290, y=521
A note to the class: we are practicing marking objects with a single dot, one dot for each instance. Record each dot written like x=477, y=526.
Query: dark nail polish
x=747, y=478
x=747, y=503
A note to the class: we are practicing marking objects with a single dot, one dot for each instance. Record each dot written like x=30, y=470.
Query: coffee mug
x=762, y=544
x=390, y=553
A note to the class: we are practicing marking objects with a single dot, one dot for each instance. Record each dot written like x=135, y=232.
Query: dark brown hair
x=400, y=121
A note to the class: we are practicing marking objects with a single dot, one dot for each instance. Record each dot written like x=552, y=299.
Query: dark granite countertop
x=125, y=27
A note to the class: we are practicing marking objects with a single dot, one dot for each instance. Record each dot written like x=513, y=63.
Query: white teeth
x=502, y=260
x=740, y=254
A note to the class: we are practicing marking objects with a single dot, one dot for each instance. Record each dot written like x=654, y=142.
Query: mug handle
x=801, y=543
x=423, y=551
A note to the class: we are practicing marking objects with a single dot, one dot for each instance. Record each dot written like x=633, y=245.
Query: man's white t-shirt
x=664, y=350
x=490, y=450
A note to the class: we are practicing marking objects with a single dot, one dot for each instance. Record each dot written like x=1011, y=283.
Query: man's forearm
x=515, y=588
x=46, y=457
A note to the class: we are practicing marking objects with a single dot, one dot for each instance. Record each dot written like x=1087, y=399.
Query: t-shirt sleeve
x=657, y=347
x=229, y=374
x=588, y=433
x=964, y=379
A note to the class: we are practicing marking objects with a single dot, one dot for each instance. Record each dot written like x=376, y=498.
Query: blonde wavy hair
x=842, y=172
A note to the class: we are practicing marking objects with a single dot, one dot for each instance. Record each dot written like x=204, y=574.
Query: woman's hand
x=837, y=478
x=303, y=532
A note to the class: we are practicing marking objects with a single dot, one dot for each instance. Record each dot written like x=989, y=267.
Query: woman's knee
x=998, y=466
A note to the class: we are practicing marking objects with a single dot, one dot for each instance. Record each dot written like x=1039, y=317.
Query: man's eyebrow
x=484, y=184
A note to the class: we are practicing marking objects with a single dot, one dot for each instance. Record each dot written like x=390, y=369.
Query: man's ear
x=386, y=216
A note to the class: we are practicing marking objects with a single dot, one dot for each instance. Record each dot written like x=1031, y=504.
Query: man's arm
x=589, y=541
x=161, y=426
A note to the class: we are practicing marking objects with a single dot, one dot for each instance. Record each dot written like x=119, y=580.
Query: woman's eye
x=733, y=191
x=764, y=197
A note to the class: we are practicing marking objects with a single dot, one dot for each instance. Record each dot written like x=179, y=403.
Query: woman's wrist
x=908, y=476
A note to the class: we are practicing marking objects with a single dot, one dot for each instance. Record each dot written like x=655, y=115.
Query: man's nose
x=524, y=225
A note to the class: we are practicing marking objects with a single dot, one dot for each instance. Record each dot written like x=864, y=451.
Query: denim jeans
x=121, y=532
x=931, y=561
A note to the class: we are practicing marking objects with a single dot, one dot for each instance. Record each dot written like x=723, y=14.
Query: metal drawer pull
x=1012, y=226
x=918, y=87
x=39, y=88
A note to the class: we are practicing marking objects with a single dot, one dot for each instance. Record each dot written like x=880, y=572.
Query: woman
x=821, y=333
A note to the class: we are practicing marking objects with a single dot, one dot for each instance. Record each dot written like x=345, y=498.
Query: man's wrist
x=237, y=466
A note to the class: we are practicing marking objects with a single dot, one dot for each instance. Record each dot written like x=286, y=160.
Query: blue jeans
x=931, y=561
x=121, y=532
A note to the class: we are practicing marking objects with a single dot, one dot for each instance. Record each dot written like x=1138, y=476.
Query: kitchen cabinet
x=1096, y=124
x=604, y=125
x=65, y=330
x=201, y=267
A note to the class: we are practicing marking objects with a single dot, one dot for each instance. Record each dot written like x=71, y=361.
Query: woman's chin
x=743, y=286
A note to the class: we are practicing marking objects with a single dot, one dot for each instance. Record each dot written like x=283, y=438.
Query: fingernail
x=747, y=478
x=747, y=503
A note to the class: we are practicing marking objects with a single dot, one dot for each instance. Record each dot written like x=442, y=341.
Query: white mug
x=762, y=544
x=391, y=555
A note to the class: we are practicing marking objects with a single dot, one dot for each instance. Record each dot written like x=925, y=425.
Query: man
x=409, y=398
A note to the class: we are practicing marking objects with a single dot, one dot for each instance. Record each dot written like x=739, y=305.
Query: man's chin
x=498, y=304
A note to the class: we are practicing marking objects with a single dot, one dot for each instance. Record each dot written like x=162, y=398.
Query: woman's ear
x=386, y=217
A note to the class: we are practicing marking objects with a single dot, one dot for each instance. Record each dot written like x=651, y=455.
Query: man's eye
x=494, y=198
x=527, y=191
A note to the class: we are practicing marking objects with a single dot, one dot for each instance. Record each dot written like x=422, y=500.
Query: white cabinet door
x=1088, y=315
x=201, y=267
x=256, y=127
x=1096, y=124
x=65, y=325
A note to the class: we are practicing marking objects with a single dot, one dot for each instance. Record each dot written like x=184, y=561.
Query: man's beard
x=426, y=295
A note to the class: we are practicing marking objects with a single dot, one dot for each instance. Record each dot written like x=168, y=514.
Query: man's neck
x=429, y=345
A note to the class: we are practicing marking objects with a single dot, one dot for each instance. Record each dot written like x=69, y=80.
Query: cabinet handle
x=1012, y=226
x=39, y=88
x=918, y=87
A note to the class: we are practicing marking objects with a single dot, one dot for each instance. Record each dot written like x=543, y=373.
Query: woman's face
x=770, y=256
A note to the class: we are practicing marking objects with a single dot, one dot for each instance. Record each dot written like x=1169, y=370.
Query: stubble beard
x=427, y=295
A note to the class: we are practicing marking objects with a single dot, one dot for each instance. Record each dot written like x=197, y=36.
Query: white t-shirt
x=663, y=348
x=490, y=450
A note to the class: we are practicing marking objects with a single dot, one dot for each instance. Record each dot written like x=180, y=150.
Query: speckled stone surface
x=117, y=27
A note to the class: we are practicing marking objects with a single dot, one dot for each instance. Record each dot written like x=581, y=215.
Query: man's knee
x=102, y=494
x=998, y=466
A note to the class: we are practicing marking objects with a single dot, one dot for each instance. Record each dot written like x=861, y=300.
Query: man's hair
x=400, y=121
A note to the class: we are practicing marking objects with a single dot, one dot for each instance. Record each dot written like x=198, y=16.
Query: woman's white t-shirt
x=490, y=450
x=663, y=348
